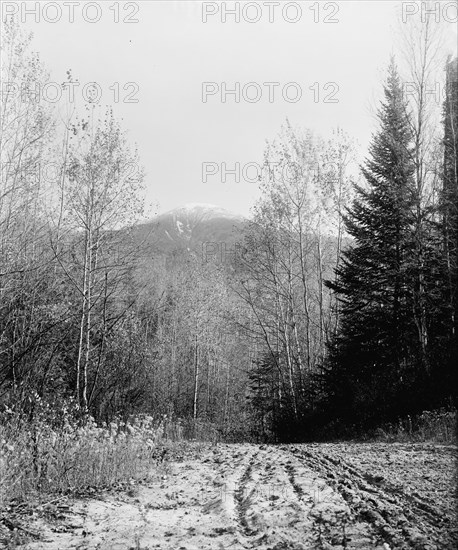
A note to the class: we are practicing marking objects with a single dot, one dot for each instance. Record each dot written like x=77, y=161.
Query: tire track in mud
x=292, y=479
x=242, y=496
x=402, y=520
x=318, y=527
x=242, y=499
x=381, y=487
x=347, y=481
x=267, y=509
x=285, y=513
x=268, y=503
x=333, y=524
x=237, y=495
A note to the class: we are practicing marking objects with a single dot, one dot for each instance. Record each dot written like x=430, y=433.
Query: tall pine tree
x=450, y=227
x=370, y=362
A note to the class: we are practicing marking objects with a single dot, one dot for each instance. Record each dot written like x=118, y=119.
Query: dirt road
x=318, y=496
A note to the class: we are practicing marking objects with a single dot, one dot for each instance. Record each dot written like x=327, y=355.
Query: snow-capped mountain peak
x=201, y=209
x=191, y=225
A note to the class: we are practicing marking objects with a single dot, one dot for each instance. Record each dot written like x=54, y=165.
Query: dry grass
x=438, y=426
x=55, y=453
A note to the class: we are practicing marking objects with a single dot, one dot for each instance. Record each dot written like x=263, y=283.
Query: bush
x=437, y=426
x=58, y=451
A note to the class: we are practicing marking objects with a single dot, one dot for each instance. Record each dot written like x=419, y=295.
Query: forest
x=338, y=318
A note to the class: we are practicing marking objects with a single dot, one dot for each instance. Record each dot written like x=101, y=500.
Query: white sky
x=169, y=52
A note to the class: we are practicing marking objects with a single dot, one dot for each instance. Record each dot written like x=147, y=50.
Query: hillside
x=193, y=227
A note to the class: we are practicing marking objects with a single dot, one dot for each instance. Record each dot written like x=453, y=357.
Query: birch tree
x=103, y=193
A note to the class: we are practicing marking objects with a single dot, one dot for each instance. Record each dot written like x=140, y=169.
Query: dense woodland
x=339, y=316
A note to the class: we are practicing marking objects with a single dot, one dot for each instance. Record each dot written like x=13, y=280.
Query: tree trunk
x=196, y=380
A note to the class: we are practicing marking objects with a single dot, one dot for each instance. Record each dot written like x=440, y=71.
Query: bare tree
x=103, y=193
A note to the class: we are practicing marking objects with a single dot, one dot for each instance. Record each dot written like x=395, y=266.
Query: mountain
x=193, y=227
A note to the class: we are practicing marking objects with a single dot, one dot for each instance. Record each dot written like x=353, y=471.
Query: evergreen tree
x=450, y=223
x=370, y=361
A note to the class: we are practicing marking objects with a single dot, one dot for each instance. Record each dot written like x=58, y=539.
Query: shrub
x=58, y=451
x=438, y=426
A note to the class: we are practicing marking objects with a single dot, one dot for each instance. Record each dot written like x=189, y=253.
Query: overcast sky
x=170, y=51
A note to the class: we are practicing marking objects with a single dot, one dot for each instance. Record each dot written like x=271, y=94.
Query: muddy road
x=318, y=496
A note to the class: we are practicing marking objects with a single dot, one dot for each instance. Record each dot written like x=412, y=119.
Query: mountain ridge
x=191, y=227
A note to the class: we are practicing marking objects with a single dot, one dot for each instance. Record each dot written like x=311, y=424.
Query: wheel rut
x=400, y=519
x=242, y=496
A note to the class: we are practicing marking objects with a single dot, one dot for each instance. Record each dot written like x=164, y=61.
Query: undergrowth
x=439, y=426
x=55, y=450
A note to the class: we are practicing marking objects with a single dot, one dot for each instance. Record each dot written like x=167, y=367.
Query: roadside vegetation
x=439, y=426
x=65, y=454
